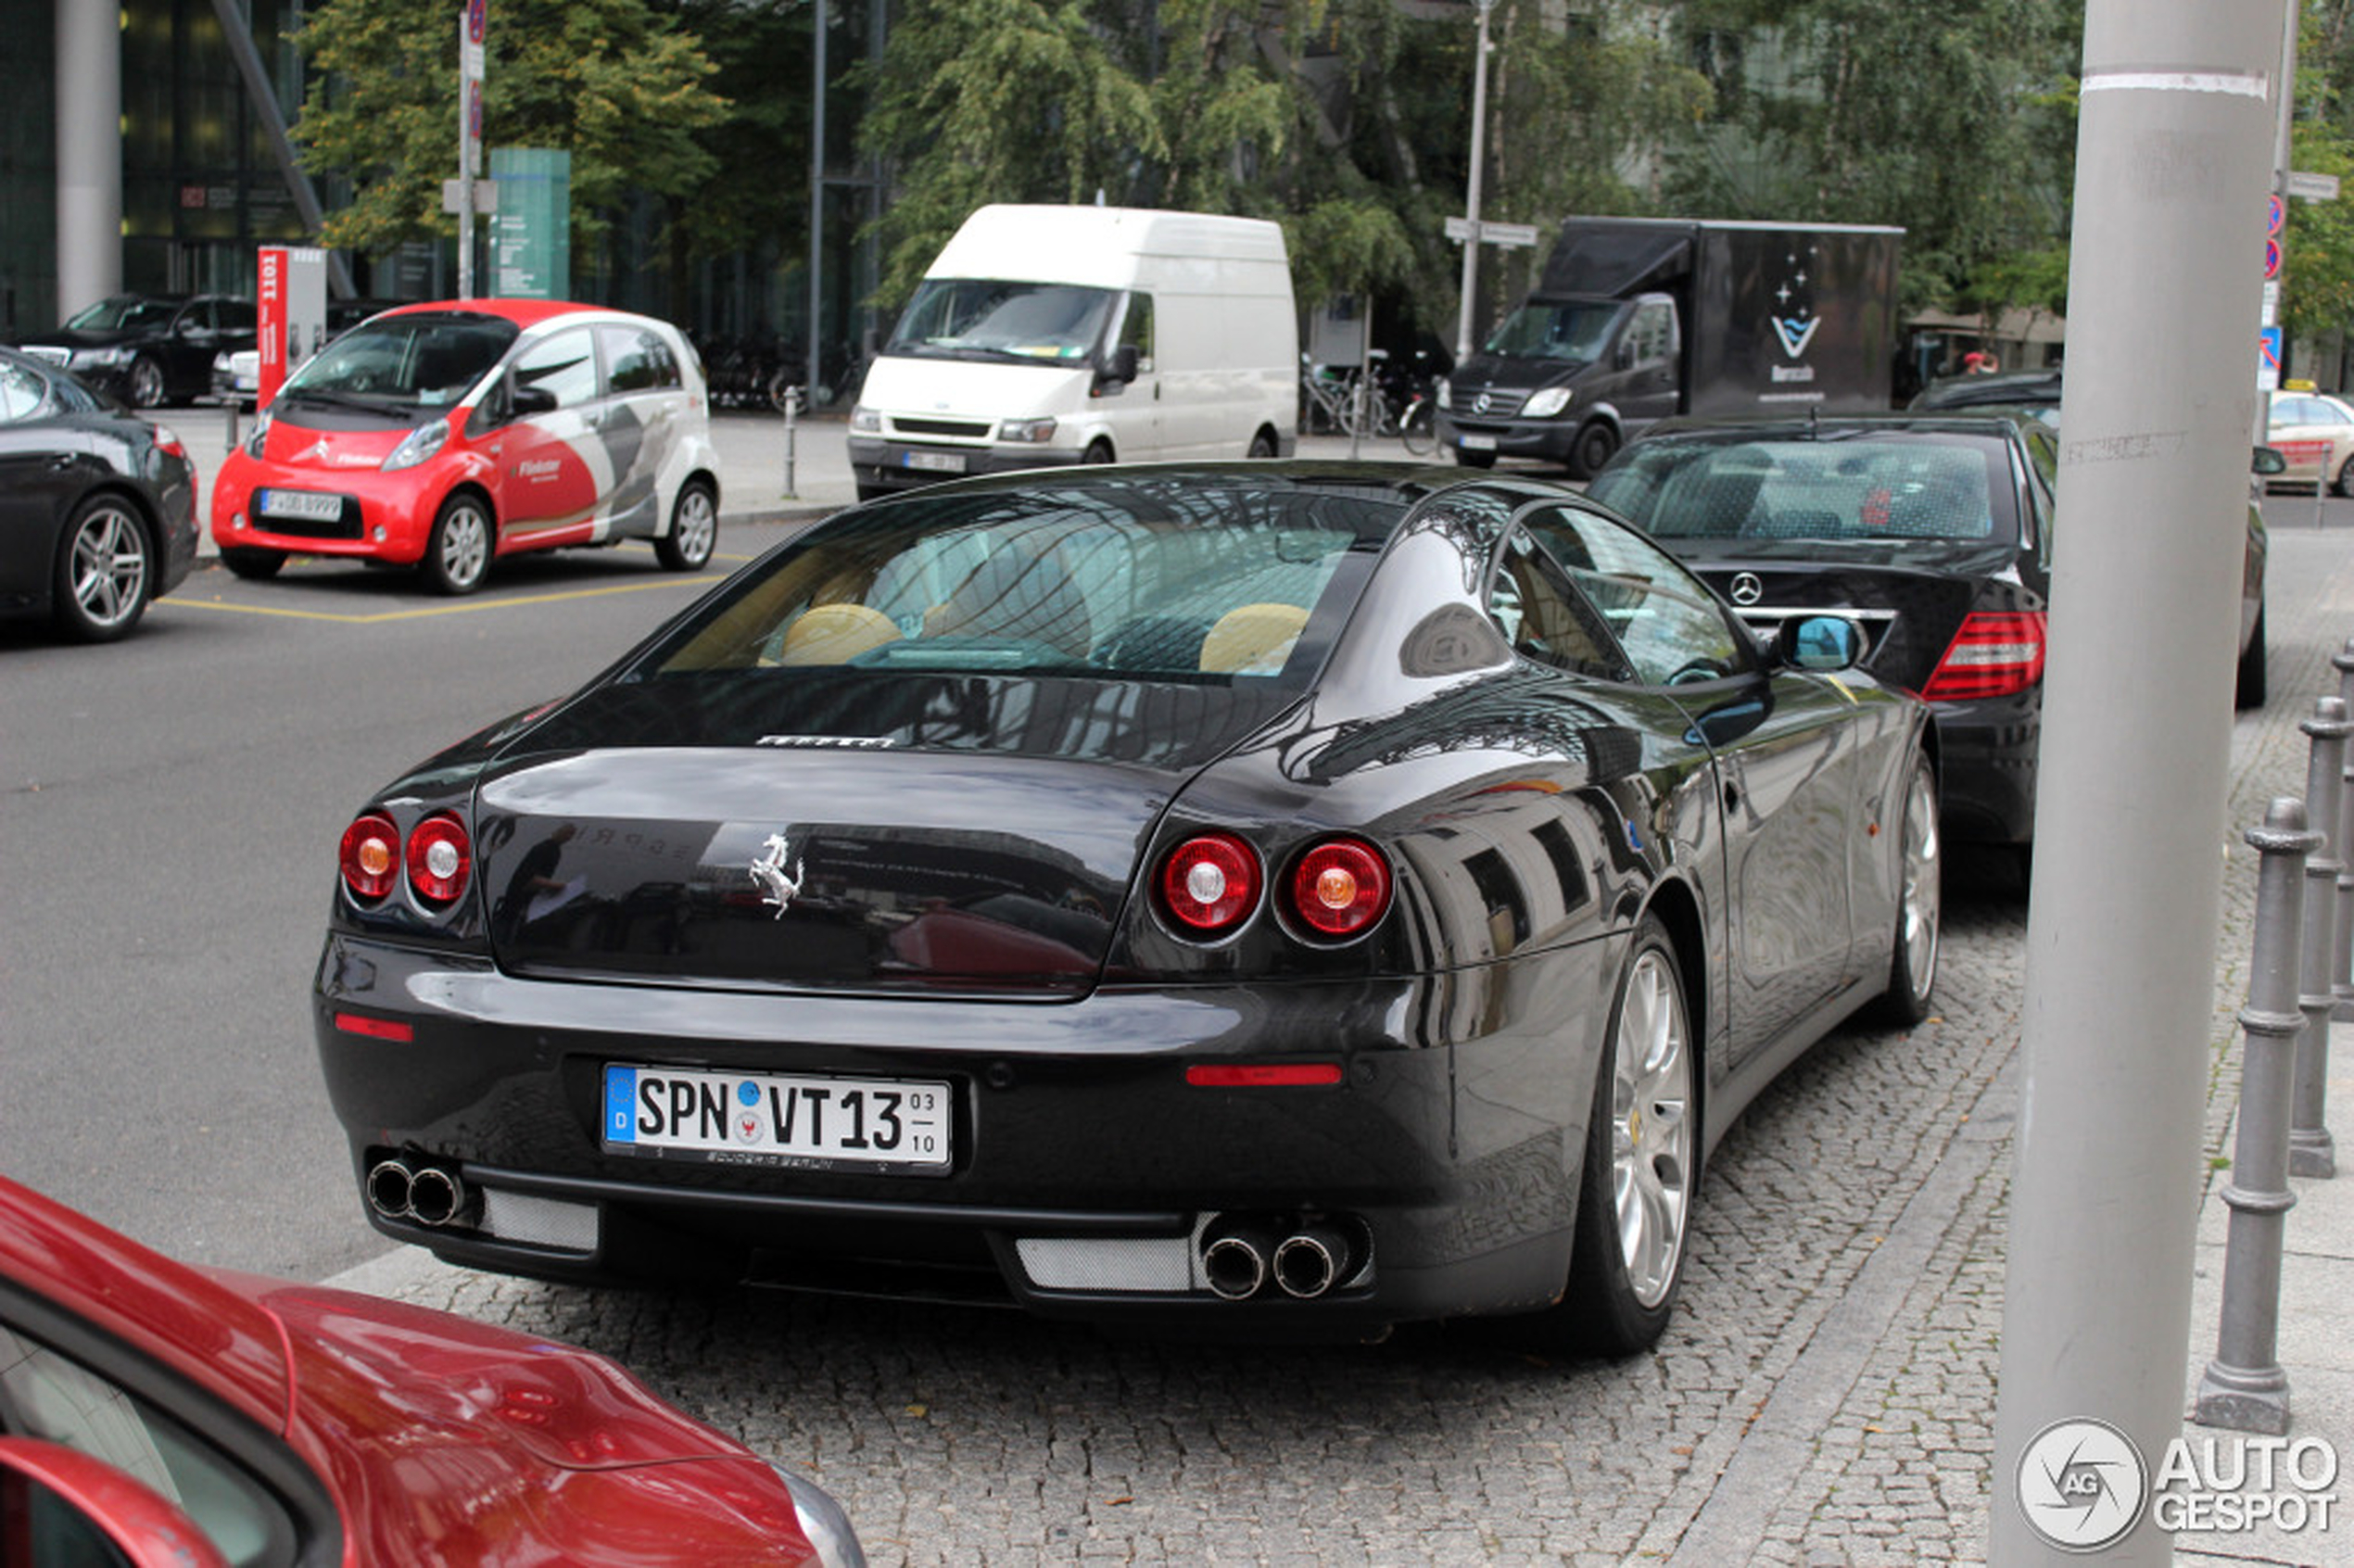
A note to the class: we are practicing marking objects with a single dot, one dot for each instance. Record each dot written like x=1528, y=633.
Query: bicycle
x=1417, y=426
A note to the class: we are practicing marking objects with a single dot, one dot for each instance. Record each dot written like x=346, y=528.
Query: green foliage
x=615, y=82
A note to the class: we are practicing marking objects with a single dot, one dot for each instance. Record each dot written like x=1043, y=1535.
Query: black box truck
x=1638, y=319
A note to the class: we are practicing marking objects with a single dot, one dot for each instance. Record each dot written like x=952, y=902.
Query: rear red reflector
x=1993, y=655
x=376, y=1029
x=1263, y=1075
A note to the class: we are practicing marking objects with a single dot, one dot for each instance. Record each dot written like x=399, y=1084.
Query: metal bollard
x=788, y=402
x=2245, y=1387
x=2342, y=983
x=2310, y=1150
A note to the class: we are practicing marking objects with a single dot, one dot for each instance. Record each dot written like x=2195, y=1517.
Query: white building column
x=89, y=126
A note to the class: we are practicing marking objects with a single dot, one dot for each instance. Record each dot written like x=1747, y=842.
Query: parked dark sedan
x=1294, y=897
x=1934, y=529
x=149, y=350
x=97, y=506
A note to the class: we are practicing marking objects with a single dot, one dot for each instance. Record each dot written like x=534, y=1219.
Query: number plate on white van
x=1479, y=443
x=937, y=462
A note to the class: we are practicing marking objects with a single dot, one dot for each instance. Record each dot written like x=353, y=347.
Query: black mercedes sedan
x=1934, y=529
x=148, y=348
x=97, y=506
x=1275, y=898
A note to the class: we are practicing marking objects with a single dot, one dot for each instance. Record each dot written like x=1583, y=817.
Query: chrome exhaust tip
x=1312, y=1261
x=435, y=1196
x=390, y=1187
x=1234, y=1259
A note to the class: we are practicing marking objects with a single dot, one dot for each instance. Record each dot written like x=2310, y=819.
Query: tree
x=611, y=82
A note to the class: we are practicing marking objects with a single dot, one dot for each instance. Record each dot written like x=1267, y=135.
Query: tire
x=2344, y=483
x=459, y=549
x=1920, y=901
x=1591, y=450
x=1262, y=445
x=1098, y=451
x=1642, y=1153
x=146, y=387
x=106, y=571
x=1418, y=429
x=694, y=529
x=255, y=565
x=873, y=492
x=1475, y=460
x=2247, y=691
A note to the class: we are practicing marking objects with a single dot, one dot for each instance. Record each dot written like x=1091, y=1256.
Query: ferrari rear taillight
x=1340, y=887
x=1995, y=654
x=440, y=857
x=1210, y=883
x=370, y=856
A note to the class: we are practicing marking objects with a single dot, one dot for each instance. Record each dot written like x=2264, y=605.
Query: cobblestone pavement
x=1825, y=1396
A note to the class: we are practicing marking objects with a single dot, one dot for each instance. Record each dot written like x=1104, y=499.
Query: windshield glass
x=1893, y=486
x=428, y=361
x=961, y=318
x=123, y=312
x=1572, y=331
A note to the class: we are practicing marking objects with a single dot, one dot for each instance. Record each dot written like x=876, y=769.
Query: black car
x=97, y=506
x=1293, y=897
x=1934, y=529
x=2036, y=389
x=149, y=350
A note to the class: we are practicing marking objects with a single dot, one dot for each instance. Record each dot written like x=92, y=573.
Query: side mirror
x=1123, y=363
x=80, y=1506
x=1822, y=644
x=525, y=401
x=1622, y=356
x=2269, y=460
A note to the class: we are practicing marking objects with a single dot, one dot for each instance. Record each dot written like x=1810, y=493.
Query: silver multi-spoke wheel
x=1651, y=1127
x=458, y=555
x=106, y=571
x=1920, y=903
x=694, y=530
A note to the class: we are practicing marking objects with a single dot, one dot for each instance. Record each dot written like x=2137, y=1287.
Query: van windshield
x=1573, y=331
x=998, y=321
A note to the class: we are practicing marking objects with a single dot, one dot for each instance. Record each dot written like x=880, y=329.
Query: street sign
x=2312, y=187
x=477, y=20
x=2275, y=214
x=486, y=195
x=2268, y=360
x=2271, y=302
x=2271, y=258
x=1490, y=234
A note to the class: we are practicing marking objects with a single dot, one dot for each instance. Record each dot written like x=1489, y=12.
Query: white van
x=1067, y=334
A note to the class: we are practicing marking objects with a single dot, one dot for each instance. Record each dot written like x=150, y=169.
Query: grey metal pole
x=89, y=131
x=816, y=191
x=2342, y=975
x=2311, y=1151
x=2174, y=148
x=1471, y=198
x=2244, y=1386
x=465, y=170
x=788, y=403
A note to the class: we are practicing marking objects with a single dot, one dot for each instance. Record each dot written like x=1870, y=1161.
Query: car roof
x=523, y=312
x=1994, y=421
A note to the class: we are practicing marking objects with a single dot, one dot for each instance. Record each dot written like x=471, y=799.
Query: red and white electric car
x=447, y=435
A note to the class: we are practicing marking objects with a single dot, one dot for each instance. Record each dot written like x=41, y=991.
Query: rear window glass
x=1896, y=486
x=1121, y=579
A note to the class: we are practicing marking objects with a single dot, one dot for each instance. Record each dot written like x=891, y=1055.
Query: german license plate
x=1478, y=443
x=766, y=1118
x=937, y=462
x=308, y=505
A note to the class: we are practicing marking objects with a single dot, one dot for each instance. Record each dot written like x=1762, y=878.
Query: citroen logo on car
x=1747, y=590
x=768, y=871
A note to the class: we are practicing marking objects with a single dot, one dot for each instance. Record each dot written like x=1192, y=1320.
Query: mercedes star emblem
x=1747, y=590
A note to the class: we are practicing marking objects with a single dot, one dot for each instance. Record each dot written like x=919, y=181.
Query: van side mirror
x=1622, y=356
x=2269, y=460
x=1123, y=363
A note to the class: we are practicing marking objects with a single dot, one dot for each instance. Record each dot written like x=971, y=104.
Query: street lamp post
x=1470, y=199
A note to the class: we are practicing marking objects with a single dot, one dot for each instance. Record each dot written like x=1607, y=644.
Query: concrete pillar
x=89, y=126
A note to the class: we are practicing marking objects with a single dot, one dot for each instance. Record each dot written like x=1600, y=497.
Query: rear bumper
x=1987, y=766
x=1087, y=1172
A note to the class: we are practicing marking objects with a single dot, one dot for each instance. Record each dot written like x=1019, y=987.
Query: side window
x=565, y=364
x=1652, y=335
x=1544, y=618
x=1137, y=329
x=20, y=394
x=636, y=361
x=236, y=315
x=1664, y=618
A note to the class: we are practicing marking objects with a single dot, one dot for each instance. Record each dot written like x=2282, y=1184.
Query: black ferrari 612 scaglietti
x=1288, y=897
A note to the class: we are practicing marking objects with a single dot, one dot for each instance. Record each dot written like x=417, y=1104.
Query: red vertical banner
x=271, y=319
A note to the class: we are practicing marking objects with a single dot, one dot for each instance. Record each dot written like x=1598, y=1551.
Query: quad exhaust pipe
x=1301, y=1257
x=429, y=1194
